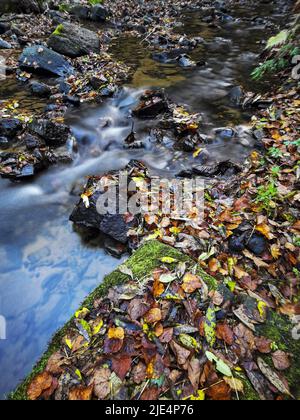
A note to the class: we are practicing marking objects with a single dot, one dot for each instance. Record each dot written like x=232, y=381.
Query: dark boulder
x=99, y=13
x=54, y=134
x=24, y=6
x=10, y=127
x=152, y=104
x=112, y=225
x=80, y=11
x=32, y=142
x=226, y=168
x=73, y=40
x=257, y=244
x=40, y=89
x=40, y=58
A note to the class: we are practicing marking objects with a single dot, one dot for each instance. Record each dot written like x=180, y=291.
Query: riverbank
x=248, y=243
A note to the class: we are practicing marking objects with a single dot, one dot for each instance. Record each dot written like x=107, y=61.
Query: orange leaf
x=153, y=316
x=191, y=283
x=116, y=333
x=81, y=393
x=39, y=385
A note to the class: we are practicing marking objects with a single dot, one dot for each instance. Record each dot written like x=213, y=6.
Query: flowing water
x=46, y=267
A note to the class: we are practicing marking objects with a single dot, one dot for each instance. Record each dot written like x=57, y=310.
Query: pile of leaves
x=175, y=335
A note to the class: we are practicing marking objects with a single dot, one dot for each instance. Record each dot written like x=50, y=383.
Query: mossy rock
x=142, y=263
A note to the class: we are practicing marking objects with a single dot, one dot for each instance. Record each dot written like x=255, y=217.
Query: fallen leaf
x=121, y=366
x=101, y=382
x=194, y=371
x=210, y=325
x=81, y=393
x=39, y=385
x=225, y=333
x=139, y=373
x=263, y=345
x=181, y=353
x=235, y=384
x=281, y=360
x=191, y=283
x=116, y=333
x=273, y=377
x=153, y=316
x=219, y=392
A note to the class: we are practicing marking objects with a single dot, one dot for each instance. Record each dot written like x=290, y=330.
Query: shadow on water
x=46, y=269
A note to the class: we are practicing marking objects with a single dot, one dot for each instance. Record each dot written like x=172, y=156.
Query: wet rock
x=188, y=143
x=25, y=6
x=72, y=100
x=236, y=95
x=152, y=104
x=185, y=61
x=53, y=133
x=169, y=56
x=244, y=238
x=99, y=13
x=40, y=89
x=4, y=45
x=257, y=244
x=237, y=244
x=113, y=225
x=226, y=168
x=40, y=58
x=73, y=40
x=32, y=142
x=98, y=81
x=225, y=133
x=10, y=127
x=80, y=11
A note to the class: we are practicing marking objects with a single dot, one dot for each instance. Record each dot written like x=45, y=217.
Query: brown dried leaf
x=153, y=316
x=39, y=385
x=121, y=366
x=181, y=353
x=81, y=393
x=281, y=360
x=191, y=283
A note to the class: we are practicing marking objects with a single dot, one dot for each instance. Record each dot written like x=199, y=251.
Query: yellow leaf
x=98, y=327
x=69, y=343
x=116, y=333
x=275, y=251
x=265, y=230
x=200, y=396
x=261, y=306
x=197, y=152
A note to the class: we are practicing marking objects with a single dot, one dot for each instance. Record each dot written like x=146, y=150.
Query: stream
x=47, y=269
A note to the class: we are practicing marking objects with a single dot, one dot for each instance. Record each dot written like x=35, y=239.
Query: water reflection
x=45, y=273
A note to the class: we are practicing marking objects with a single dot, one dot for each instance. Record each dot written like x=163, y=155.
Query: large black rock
x=73, y=40
x=9, y=127
x=54, y=134
x=40, y=58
